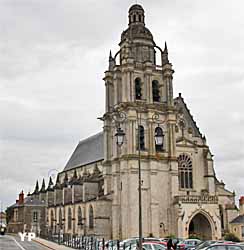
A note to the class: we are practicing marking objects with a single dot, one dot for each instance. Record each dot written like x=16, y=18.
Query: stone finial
x=36, y=188
x=50, y=184
x=66, y=179
x=165, y=47
x=165, y=59
x=111, y=61
x=75, y=175
x=43, y=187
x=96, y=171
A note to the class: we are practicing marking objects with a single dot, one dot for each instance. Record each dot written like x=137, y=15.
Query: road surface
x=9, y=242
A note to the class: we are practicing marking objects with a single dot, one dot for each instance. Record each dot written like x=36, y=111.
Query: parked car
x=188, y=244
x=153, y=246
x=208, y=243
x=224, y=246
x=2, y=230
x=149, y=246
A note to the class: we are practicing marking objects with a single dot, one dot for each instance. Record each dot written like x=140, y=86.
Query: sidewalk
x=51, y=245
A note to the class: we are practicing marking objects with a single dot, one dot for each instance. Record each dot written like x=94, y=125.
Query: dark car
x=188, y=244
x=208, y=243
x=2, y=230
x=224, y=246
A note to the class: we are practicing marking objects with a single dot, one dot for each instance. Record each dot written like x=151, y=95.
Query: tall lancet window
x=60, y=218
x=138, y=89
x=155, y=91
x=185, y=171
x=80, y=217
x=69, y=218
x=141, y=138
x=52, y=220
x=91, y=218
x=159, y=132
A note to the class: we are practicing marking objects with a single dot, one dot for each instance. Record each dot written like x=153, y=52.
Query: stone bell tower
x=139, y=87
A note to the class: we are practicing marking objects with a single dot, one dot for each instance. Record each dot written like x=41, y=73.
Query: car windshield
x=203, y=245
x=158, y=247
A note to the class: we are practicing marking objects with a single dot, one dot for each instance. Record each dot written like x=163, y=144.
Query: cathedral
x=146, y=133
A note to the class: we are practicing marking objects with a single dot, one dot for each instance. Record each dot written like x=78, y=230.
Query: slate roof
x=87, y=151
x=238, y=219
x=28, y=201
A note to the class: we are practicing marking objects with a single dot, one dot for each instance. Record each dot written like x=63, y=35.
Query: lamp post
x=159, y=137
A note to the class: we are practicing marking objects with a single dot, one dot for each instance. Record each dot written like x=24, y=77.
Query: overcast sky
x=53, y=55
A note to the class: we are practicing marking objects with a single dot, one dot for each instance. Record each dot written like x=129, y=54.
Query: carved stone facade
x=97, y=192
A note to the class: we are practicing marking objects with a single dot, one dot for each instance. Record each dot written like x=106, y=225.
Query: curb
x=44, y=244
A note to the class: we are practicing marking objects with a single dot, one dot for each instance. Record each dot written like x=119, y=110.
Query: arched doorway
x=200, y=227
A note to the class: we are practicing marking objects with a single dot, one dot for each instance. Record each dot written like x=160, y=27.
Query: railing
x=83, y=242
x=204, y=199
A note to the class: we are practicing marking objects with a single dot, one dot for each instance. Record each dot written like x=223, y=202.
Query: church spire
x=36, y=188
x=111, y=61
x=50, y=184
x=43, y=188
x=165, y=59
x=165, y=47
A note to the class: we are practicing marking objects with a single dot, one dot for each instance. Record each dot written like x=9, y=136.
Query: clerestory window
x=60, y=218
x=69, y=218
x=80, y=216
x=91, y=218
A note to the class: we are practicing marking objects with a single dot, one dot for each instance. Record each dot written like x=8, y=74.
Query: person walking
x=170, y=244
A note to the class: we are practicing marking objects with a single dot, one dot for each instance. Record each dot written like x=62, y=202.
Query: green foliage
x=231, y=237
x=171, y=236
x=194, y=236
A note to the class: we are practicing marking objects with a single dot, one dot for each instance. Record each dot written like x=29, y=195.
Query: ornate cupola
x=137, y=40
x=136, y=15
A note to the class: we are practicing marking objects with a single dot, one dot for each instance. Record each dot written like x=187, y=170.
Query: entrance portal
x=200, y=227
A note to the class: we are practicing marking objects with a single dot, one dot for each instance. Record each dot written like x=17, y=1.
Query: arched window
x=221, y=212
x=139, y=18
x=80, y=217
x=185, y=171
x=69, y=218
x=134, y=18
x=138, y=89
x=91, y=218
x=155, y=91
x=60, y=218
x=141, y=138
x=159, y=131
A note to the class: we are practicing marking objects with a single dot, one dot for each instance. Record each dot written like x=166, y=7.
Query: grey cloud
x=54, y=53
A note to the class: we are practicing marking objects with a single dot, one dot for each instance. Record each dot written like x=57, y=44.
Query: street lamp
x=119, y=117
x=120, y=134
x=159, y=136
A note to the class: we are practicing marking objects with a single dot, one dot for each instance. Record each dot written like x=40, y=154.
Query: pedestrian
x=175, y=245
x=169, y=244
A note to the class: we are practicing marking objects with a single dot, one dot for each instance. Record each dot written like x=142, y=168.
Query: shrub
x=231, y=237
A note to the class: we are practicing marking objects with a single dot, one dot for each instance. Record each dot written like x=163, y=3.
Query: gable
x=181, y=106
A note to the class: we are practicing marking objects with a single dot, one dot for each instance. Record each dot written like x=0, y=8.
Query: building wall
x=238, y=230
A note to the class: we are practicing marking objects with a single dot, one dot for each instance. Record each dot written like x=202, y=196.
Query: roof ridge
x=90, y=137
